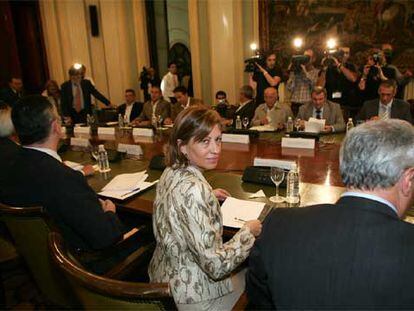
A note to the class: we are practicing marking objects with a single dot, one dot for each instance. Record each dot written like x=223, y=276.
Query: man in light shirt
x=387, y=106
x=271, y=112
x=355, y=254
x=169, y=83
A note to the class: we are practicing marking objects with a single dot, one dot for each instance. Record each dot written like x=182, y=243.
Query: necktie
x=318, y=114
x=383, y=112
x=78, y=103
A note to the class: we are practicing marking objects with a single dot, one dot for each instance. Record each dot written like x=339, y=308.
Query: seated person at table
x=271, y=112
x=355, y=254
x=154, y=109
x=38, y=177
x=8, y=145
x=246, y=108
x=321, y=108
x=386, y=107
x=190, y=254
x=221, y=104
x=131, y=109
x=183, y=101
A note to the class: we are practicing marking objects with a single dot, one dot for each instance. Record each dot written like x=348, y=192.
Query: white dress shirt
x=168, y=84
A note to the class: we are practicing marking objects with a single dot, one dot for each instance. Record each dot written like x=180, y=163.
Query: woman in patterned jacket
x=187, y=221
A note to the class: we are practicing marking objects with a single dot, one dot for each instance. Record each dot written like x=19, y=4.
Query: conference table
x=320, y=180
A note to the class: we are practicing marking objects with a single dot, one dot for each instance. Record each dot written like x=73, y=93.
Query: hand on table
x=255, y=227
x=221, y=194
x=108, y=206
x=88, y=170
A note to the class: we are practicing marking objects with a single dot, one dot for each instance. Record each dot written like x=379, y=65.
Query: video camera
x=330, y=54
x=250, y=63
x=298, y=61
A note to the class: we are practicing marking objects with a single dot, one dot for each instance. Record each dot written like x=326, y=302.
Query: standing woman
x=187, y=221
x=52, y=92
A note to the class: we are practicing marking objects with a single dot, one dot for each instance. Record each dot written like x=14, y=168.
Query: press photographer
x=372, y=76
x=265, y=74
x=303, y=76
x=148, y=78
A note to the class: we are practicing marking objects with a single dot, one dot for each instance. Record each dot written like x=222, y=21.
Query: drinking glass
x=245, y=123
x=277, y=175
x=297, y=124
x=95, y=152
x=159, y=121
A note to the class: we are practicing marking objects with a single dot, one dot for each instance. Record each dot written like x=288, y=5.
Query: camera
x=298, y=61
x=329, y=54
x=250, y=63
x=377, y=58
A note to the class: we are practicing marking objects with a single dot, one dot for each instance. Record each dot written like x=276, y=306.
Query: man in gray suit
x=386, y=107
x=321, y=108
x=154, y=109
x=271, y=112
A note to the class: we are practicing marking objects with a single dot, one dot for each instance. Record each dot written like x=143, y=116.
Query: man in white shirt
x=169, y=83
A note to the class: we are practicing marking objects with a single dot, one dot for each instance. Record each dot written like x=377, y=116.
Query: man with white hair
x=355, y=254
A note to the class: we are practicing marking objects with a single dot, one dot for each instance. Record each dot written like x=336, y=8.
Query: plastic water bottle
x=349, y=125
x=120, y=120
x=88, y=120
x=289, y=125
x=238, y=123
x=103, y=160
x=292, y=185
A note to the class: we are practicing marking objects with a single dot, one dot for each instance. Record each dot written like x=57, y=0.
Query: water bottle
x=88, y=120
x=120, y=121
x=292, y=185
x=154, y=120
x=103, y=159
x=238, y=123
x=289, y=125
x=349, y=125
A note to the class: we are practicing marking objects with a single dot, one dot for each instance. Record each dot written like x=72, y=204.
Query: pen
x=239, y=219
x=129, y=192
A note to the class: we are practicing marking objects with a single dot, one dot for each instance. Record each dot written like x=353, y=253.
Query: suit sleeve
x=204, y=239
x=362, y=114
x=339, y=124
x=65, y=100
x=97, y=94
x=256, y=118
x=301, y=113
x=407, y=113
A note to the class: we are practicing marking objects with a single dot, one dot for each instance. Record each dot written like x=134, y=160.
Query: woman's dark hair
x=32, y=117
x=194, y=122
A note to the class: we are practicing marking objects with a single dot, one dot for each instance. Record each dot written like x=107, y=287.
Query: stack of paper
x=314, y=125
x=123, y=186
x=236, y=212
x=74, y=165
x=263, y=128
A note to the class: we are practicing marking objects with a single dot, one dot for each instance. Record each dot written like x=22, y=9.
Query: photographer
x=339, y=77
x=148, y=78
x=265, y=76
x=302, y=78
x=372, y=76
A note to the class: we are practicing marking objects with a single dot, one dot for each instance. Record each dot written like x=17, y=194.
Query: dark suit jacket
x=135, y=112
x=355, y=254
x=399, y=110
x=9, y=96
x=8, y=151
x=36, y=178
x=332, y=113
x=87, y=89
x=247, y=111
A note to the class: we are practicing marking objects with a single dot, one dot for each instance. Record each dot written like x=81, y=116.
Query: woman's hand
x=255, y=227
x=221, y=194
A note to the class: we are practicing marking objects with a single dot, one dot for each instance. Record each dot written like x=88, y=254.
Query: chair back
x=29, y=231
x=95, y=291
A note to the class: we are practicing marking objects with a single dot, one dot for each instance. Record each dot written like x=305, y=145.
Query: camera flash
x=77, y=66
x=331, y=43
x=297, y=43
x=253, y=46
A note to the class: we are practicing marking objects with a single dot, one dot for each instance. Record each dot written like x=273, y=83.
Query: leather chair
x=29, y=231
x=97, y=292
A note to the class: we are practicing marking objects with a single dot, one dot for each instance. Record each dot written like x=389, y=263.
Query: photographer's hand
x=380, y=73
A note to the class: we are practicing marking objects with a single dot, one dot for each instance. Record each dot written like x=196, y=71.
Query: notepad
x=314, y=125
x=236, y=212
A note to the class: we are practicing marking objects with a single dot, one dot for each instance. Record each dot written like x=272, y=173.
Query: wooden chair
x=29, y=231
x=99, y=292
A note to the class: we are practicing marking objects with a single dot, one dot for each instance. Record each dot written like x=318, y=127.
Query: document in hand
x=124, y=186
x=236, y=212
x=314, y=125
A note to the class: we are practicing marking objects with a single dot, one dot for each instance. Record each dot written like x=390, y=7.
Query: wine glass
x=297, y=124
x=245, y=123
x=277, y=175
x=95, y=152
x=159, y=121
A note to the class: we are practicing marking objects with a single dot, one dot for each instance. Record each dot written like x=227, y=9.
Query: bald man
x=271, y=112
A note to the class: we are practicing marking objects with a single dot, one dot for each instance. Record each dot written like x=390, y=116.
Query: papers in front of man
x=124, y=186
x=236, y=212
x=314, y=125
x=74, y=165
x=263, y=128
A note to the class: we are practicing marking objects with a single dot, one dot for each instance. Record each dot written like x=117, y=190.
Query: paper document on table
x=236, y=212
x=263, y=128
x=126, y=181
x=125, y=194
x=73, y=165
x=314, y=125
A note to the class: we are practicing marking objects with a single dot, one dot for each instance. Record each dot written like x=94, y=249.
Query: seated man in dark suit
x=154, y=110
x=183, y=101
x=355, y=254
x=387, y=106
x=38, y=177
x=321, y=108
x=13, y=92
x=131, y=109
x=76, y=97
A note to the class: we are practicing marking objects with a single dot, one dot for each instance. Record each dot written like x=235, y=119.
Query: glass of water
x=297, y=124
x=277, y=175
x=245, y=122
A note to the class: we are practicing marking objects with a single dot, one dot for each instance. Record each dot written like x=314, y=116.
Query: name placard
x=287, y=165
x=135, y=150
x=235, y=138
x=106, y=130
x=79, y=142
x=304, y=143
x=143, y=132
x=82, y=130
